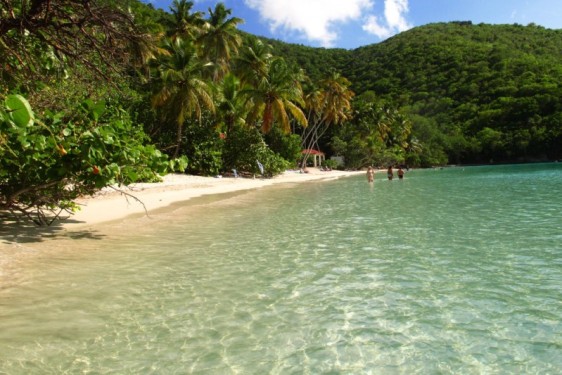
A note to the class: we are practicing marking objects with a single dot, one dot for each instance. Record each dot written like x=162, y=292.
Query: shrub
x=47, y=162
x=203, y=148
x=244, y=147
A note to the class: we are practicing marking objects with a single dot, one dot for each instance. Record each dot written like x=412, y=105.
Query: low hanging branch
x=129, y=195
x=75, y=32
x=33, y=209
x=37, y=210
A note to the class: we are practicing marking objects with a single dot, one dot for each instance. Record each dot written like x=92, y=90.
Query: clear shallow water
x=448, y=271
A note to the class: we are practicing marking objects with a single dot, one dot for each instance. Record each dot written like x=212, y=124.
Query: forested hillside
x=479, y=93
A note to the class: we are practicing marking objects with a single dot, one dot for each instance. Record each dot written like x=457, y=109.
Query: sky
x=351, y=24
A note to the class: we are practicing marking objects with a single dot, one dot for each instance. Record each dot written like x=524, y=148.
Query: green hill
x=479, y=92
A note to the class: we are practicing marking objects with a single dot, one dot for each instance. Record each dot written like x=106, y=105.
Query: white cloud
x=394, y=20
x=394, y=11
x=316, y=19
x=373, y=26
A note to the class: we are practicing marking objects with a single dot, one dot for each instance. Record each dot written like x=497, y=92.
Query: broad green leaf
x=20, y=110
x=95, y=110
x=98, y=109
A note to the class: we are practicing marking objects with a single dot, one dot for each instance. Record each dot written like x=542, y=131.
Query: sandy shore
x=19, y=241
x=111, y=205
x=143, y=198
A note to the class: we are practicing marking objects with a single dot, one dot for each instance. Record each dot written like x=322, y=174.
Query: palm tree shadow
x=21, y=230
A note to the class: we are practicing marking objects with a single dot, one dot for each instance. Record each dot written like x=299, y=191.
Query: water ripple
x=452, y=271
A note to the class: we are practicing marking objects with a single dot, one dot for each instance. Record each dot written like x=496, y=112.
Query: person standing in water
x=400, y=173
x=389, y=173
x=370, y=174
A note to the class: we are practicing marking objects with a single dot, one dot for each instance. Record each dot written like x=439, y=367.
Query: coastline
x=21, y=241
x=142, y=199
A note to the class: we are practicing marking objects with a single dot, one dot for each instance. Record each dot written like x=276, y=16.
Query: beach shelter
x=317, y=156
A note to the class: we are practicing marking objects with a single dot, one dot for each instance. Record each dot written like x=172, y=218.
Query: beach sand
x=110, y=204
x=22, y=240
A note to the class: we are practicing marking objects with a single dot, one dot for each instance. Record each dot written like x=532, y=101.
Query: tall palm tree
x=187, y=25
x=220, y=39
x=337, y=99
x=328, y=104
x=402, y=130
x=252, y=63
x=181, y=91
x=275, y=97
x=149, y=46
x=231, y=105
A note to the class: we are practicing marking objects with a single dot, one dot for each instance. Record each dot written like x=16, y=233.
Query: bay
x=453, y=270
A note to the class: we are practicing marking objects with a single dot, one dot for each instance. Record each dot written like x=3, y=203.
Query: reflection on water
x=448, y=271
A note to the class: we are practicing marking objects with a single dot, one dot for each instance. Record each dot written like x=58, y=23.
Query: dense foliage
x=72, y=61
x=46, y=163
x=475, y=93
x=104, y=92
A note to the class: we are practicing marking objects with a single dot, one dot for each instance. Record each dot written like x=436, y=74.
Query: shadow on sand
x=22, y=230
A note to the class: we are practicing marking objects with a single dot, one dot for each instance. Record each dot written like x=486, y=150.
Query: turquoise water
x=455, y=270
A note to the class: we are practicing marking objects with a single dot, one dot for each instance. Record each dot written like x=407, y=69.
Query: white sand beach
x=19, y=242
x=111, y=204
x=115, y=203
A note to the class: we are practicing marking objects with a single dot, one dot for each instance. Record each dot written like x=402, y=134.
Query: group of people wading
x=389, y=173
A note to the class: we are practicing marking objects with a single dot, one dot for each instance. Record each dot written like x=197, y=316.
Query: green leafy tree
x=231, y=106
x=47, y=162
x=244, y=147
x=288, y=146
x=205, y=147
x=181, y=91
x=275, y=97
x=378, y=135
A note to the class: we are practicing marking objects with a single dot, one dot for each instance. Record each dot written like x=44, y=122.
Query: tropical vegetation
x=471, y=93
x=105, y=93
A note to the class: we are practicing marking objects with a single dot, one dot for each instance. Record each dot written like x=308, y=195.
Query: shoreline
x=142, y=199
x=24, y=240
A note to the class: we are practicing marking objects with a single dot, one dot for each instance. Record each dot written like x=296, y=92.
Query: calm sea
x=449, y=271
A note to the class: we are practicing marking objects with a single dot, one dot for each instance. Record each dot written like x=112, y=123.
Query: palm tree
x=220, y=39
x=394, y=128
x=401, y=130
x=275, y=97
x=186, y=24
x=231, y=105
x=181, y=91
x=252, y=63
x=328, y=104
x=148, y=47
x=337, y=99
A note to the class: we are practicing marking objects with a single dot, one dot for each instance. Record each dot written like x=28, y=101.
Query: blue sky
x=353, y=23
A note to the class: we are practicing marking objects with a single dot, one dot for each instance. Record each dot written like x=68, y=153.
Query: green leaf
x=20, y=110
x=87, y=134
x=96, y=110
